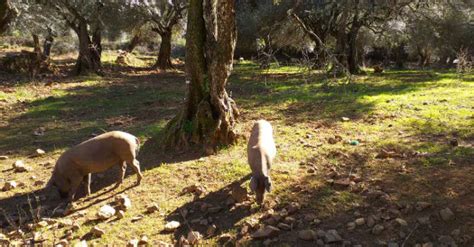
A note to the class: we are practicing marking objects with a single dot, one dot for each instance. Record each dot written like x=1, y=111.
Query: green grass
x=406, y=112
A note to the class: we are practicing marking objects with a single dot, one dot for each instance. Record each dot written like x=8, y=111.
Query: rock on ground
x=446, y=214
x=332, y=236
x=96, y=231
x=266, y=232
x=307, y=235
x=106, y=212
x=172, y=225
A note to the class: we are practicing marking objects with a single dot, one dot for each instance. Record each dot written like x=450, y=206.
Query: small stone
x=38, y=183
x=41, y=224
x=132, y=243
x=332, y=236
x=194, y=237
x=172, y=225
x=211, y=230
x=425, y=220
x=9, y=185
x=427, y=244
x=96, y=231
x=320, y=233
x=19, y=166
x=378, y=229
x=345, y=119
x=311, y=171
x=293, y=207
x=392, y=244
x=447, y=241
x=123, y=202
x=62, y=242
x=143, y=240
x=239, y=194
x=137, y=218
x=420, y=206
x=446, y=214
x=401, y=222
x=152, y=208
x=266, y=232
x=351, y=226
x=360, y=221
x=3, y=157
x=82, y=243
x=289, y=220
x=267, y=242
x=75, y=226
x=40, y=152
x=371, y=221
x=120, y=214
x=223, y=238
x=284, y=226
x=456, y=233
x=319, y=242
x=106, y=212
x=307, y=235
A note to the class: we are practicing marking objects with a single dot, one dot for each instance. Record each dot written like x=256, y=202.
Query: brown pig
x=261, y=151
x=92, y=156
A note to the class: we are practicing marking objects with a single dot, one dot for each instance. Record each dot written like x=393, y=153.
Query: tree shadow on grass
x=217, y=212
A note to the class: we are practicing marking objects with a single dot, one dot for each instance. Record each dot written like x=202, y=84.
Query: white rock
x=40, y=152
x=106, y=212
x=9, y=185
x=132, y=243
x=351, y=226
x=19, y=166
x=172, y=225
x=82, y=243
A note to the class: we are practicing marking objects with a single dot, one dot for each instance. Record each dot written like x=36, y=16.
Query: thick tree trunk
x=352, y=61
x=7, y=13
x=89, y=58
x=209, y=114
x=164, y=56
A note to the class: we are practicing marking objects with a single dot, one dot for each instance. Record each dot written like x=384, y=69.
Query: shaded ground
x=404, y=125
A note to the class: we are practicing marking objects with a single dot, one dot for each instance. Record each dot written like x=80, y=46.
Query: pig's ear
x=253, y=184
x=268, y=184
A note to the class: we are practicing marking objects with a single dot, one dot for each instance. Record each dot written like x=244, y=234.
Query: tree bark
x=352, y=61
x=48, y=43
x=164, y=56
x=7, y=13
x=209, y=114
x=133, y=43
x=89, y=58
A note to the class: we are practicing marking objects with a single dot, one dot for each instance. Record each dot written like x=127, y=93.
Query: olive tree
x=209, y=114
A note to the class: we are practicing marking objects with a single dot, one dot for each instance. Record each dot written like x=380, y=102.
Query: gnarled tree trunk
x=7, y=13
x=133, y=43
x=209, y=114
x=89, y=58
x=164, y=56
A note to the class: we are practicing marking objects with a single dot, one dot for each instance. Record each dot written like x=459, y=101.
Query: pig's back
x=261, y=146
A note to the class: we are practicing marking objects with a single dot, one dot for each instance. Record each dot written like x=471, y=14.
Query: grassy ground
x=403, y=123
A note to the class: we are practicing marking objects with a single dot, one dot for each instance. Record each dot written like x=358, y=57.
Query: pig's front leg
x=75, y=183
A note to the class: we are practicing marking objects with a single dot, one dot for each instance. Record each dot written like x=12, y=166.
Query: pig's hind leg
x=135, y=164
x=87, y=183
